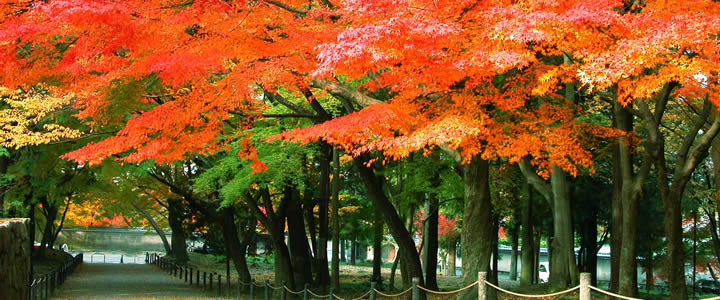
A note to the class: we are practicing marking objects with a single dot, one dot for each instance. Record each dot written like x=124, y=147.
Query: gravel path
x=125, y=281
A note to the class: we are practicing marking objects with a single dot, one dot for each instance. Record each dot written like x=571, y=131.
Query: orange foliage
x=439, y=59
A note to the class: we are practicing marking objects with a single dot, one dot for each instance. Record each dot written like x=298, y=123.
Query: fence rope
x=316, y=295
x=275, y=287
x=535, y=296
x=363, y=296
x=712, y=298
x=393, y=295
x=338, y=297
x=612, y=294
x=291, y=291
x=448, y=292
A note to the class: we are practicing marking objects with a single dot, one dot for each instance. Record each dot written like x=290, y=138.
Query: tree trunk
x=393, y=270
x=673, y=235
x=631, y=185
x=563, y=272
x=616, y=219
x=4, y=162
x=477, y=230
x=495, y=252
x=536, y=263
x=398, y=230
x=430, y=253
x=50, y=210
x=343, y=244
x=308, y=210
x=62, y=220
x=299, y=249
x=514, y=257
x=409, y=221
x=283, y=265
x=155, y=226
x=377, y=248
x=175, y=218
x=335, y=277
x=589, y=245
x=236, y=250
x=452, y=250
x=323, y=276
x=353, y=251
x=527, y=276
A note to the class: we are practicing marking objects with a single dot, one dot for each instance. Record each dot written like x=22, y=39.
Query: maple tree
x=24, y=121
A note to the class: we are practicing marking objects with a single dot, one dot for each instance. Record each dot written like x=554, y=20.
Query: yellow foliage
x=19, y=122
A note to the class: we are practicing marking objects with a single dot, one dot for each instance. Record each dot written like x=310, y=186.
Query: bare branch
x=287, y=7
x=342, y=91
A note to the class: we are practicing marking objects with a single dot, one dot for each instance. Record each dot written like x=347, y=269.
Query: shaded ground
x=125, y=281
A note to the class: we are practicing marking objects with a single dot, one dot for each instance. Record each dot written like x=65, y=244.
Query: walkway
x=125, y=281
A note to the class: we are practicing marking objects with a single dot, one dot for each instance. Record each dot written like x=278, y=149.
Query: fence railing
x=42, y=287
x=584, y=289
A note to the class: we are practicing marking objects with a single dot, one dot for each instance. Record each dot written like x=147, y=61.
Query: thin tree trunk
x=527, y=276
x=50, y=211
x=431, y=242
x=377, y=248
x=451, y=261
x=395, y=224
x=514, y=256
x=308, y=210
x=323, y=275
x=335, y=274
x=393, y=269
x=616, y=219
x=353, y=251
x=536, y=264
x=343, y=245
x=62, y=220
x=4, y=162
x=495, y=252
x=155, y=226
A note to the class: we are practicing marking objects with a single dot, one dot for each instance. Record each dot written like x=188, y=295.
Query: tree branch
x=535, y=180
x=287, y=7
x=341, y=91
x=89, y=135
x=292, y=106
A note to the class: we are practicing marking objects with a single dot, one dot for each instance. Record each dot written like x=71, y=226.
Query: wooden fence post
x=482, y=288
x=373, y=286
x=306, y=296
x=585, y=286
